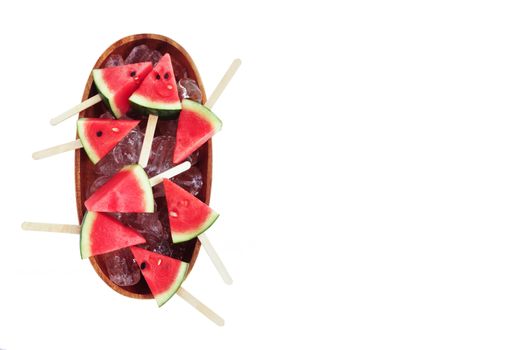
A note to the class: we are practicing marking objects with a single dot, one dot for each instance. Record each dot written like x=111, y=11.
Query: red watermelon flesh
x=163, y=274
x=188, y=216
x=196, y=125
x=116, y=84
x=99, y=136
x=128, y=191
x=102, y=234
x=158, y=92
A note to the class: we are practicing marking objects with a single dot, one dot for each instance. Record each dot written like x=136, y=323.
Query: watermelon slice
x=158, y=93
x=116, y=84
x=188, y=216
x=99, y=136
x=163, y=274
x=102, y=234
x=196, y=125
x=128, y=191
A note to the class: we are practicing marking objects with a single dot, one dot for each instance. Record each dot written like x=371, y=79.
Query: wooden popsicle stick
x=211, y=252
x=42, y=226
x=197, y=304
x=76, y=109
x=57, y=149
x=148, y=140
x=169, y=173
x=223, y=83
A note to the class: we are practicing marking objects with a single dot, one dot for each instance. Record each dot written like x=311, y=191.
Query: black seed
x=99, y=133
x=143, y=265
x=158, y=77
x=166, y=76
x=133, y=73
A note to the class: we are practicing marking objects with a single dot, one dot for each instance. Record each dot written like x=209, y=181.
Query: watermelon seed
x=143, y=265
x=133, y=73
x=170, y=87
x=159, y=261
x=173, y=214
x=115, y=129
x=158, y=77
x=166, y=76
x=99, y=133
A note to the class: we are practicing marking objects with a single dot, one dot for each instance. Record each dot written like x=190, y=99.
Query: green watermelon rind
x=146, y=105
x=85, y=235
x=203, y=111
x=184, y=237
x=145, y=185
x=162, y=298
x=106, y=94
x=91, y=153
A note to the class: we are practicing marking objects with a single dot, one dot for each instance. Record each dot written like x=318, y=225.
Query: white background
x=369, y=176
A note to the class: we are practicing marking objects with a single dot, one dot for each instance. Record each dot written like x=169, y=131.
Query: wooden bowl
x=84, y=168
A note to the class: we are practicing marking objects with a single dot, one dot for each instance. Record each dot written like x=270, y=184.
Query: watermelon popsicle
x=100, y=233
x=197, y=123
x=156, y=96
x=188, y=216
x=97, y=136
x=114, y=85
x=163, y=274
x=158, y=93
x=164, y=277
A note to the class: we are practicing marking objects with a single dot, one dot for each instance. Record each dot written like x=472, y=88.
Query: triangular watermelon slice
x=188, y=216
x=196, y=125
x=163, y=274
x=99, y=136
x=158, y=92
x=102, y=234
x=116, y=84
x=128, y=191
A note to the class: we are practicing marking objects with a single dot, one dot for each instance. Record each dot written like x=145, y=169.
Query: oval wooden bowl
x=84, y=169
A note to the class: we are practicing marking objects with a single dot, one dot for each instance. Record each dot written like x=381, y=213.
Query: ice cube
x=154, y=57
x=188, y=88
x=193, y=157
x=106, y=115
x=166, y=127
x=147, y=224
x=107, y=165
x=155, y=231
x=127, y=151
x=164, y=247
x=179, y=70
x=122, y=267
x=96, y=185
x=113, y=61
x=161, y=157
x=190, y=180
x=139, y=53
